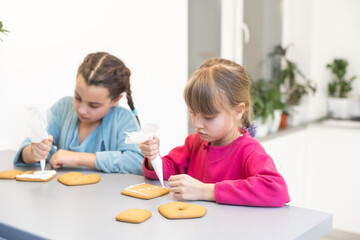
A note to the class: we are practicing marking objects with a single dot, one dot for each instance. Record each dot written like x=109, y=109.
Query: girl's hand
x=63, y=157
x=150, y=148
x=39, y=151
x=185, y=187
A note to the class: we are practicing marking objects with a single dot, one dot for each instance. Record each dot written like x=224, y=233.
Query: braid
x=246, y=119
x=131, y=103
x=98, y=64
x=124, y=73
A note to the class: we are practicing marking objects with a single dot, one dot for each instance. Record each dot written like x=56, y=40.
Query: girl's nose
x=197, y=122
x=82, y=109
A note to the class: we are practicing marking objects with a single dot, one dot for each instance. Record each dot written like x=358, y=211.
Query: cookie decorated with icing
x=145, y=191
x=10, y=174
x=181, y=210
x=77, y=178
x=133, y=215
x=36, y=176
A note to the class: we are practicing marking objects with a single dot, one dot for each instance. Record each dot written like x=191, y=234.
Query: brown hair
x=105, y=70
x=219, y=83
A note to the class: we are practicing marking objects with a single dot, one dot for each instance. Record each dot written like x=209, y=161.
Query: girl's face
x=91, y=103
x=219, y=129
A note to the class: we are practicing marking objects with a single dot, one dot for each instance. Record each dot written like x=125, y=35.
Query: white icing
x=141, y=189
x=136, y=192
x=134, y=185
x=43, y=175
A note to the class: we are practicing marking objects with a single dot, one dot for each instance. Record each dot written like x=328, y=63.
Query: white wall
x=232, y=15
x=49, y=39
x=319, y=31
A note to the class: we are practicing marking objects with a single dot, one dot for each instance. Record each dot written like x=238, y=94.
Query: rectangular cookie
x=145, y=191
x=36, y=176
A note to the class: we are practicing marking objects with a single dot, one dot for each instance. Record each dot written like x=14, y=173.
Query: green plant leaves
x=2, y=30
x=289, y=75
x=340, y=86
x=266, y=99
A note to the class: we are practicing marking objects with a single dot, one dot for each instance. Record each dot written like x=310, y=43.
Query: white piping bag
x=147, y=133
x=37, y=129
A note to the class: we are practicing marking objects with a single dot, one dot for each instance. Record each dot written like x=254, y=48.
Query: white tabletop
x=38, y=210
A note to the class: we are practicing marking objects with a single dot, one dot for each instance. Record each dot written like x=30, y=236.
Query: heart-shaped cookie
x=77, y=178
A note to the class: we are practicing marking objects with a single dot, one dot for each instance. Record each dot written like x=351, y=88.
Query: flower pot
x=275, y=122
x=296, y=116
x=355, y=108
x=283, y=121
x=339, y=107
x=262, y=129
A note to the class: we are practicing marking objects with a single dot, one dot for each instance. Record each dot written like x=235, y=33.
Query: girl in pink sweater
x=220, y=162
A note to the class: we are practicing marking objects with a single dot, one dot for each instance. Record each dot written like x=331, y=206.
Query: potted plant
x=295, y=88
x=267, y=107
x=339, y=89
x=2, y=30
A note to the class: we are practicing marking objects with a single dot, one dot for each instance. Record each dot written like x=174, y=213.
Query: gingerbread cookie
x=145, y=191
x=77, y=178
x=10, y=174
x=177, y=210
x=133, y=215
x=36, y=176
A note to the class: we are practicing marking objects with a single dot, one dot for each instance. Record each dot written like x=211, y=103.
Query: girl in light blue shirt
x=89, y=129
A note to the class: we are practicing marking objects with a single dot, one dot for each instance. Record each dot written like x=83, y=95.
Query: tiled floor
x=341, y=235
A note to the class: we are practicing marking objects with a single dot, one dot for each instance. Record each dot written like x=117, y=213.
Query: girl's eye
x=209, y=117
x=93, y=106
x=78, y=99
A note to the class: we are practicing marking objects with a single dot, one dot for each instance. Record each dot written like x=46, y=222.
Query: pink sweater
x=242, y=171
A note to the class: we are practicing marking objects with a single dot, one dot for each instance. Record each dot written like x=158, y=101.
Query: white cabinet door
x=332, y=174
x=289, y=154
x=321, y=165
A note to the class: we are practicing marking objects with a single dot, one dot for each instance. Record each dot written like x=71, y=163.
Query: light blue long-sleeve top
x=107, y=141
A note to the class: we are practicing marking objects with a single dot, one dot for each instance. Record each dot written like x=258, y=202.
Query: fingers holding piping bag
x=40, y=141
x=151, y=148
x=149, y=145
x=42, y=149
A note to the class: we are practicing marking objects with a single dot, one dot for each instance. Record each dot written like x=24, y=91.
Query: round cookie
x=10, y=174
x=77, y=178
x=181, y=210
x=133, y=215
x=36, y=176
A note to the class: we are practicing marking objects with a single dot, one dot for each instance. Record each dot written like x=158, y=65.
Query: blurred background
x=302, y=55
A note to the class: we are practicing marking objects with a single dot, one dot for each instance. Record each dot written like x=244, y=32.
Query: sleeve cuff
x=217, y=192
x=18, y=160
x=102, y=163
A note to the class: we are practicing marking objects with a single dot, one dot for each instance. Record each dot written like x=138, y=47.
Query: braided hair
x=105, y=70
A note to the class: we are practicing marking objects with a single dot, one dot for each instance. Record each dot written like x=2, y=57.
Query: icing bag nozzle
x=42, y=164
x=157, y=165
